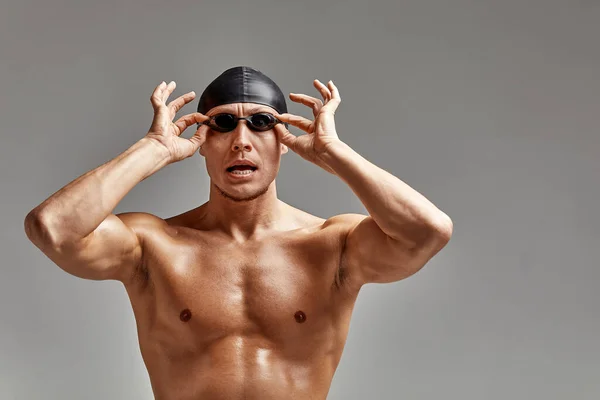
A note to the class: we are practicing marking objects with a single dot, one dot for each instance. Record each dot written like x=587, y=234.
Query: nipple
x=300, y=317
x=185, y=315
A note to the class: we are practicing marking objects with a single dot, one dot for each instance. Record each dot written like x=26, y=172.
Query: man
x=245, y=296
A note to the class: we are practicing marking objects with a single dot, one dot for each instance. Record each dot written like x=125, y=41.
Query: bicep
x=374, y=257
x=112, y=251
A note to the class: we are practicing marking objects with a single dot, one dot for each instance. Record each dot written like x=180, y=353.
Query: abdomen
x=237, y=367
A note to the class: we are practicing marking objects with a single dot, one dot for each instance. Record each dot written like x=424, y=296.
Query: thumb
x=199, y=137
x=285, y=136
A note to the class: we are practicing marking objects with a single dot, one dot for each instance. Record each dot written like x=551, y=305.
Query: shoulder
x=141, y=222
x=337, y=224
x=140, y=218
x=335, y=228
x=340, y=226
x=344, y=222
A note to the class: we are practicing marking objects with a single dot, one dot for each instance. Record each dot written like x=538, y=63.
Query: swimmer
x=244, y=296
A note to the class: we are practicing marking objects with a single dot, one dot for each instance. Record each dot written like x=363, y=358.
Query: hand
x=321, y=132
x=166, y=132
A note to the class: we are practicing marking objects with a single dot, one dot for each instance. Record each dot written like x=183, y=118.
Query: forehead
x=241, y=109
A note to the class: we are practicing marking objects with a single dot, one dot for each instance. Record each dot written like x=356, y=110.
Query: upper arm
x=371, y=256
x=112, y=251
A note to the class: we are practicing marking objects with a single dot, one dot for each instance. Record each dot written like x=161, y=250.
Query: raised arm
x=75, y=226
x=403, y=230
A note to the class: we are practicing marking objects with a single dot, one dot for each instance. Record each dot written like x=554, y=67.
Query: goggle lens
x=228, y=122
x=262, y=122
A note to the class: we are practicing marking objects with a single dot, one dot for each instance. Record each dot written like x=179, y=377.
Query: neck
x=243, y=218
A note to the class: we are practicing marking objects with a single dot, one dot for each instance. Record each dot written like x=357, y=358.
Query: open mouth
x=241, y=170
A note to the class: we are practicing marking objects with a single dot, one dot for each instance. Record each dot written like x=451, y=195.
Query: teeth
x=245, y=172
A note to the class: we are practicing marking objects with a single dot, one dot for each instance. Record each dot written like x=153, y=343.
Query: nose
x=241, y=138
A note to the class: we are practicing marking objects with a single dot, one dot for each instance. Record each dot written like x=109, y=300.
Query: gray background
x=488, y=108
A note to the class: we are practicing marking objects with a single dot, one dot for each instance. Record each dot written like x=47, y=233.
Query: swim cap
x=242, y=85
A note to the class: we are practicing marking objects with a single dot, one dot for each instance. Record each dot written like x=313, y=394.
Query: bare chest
x=283, y=290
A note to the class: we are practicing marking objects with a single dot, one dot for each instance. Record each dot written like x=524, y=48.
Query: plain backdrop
x=488, y=108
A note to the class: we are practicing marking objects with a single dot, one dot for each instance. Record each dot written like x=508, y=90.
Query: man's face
x=261, y=148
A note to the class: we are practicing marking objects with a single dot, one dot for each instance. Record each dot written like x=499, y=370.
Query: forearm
x=398, y=210
x=78, y=208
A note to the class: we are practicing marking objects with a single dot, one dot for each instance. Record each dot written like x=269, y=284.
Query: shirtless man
x=245, y=296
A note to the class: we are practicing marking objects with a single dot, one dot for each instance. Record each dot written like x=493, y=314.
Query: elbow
x=33, y=226
x=439, y=232
x=37, y=230
x=444, y=228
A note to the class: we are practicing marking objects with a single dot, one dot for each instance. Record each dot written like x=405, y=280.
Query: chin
x=241, y=194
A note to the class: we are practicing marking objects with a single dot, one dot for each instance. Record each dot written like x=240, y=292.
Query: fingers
x=168, y=90
x=334, y=99
x=156, y=97
x=179, y=102
x=159, y=97
x=309, y=101
x=299, y=122
x=164, y=114
x=161, y=93
x=322, y=89
x=329, y=93
x=190, y=119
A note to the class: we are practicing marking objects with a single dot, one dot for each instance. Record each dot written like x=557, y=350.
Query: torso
x=263, y=319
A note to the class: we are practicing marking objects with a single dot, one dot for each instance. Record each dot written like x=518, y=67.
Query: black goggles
x=227, y=122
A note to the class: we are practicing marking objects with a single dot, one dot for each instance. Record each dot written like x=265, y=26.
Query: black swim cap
x=242, y=85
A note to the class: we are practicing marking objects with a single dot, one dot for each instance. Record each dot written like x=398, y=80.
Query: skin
x=245, y=296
